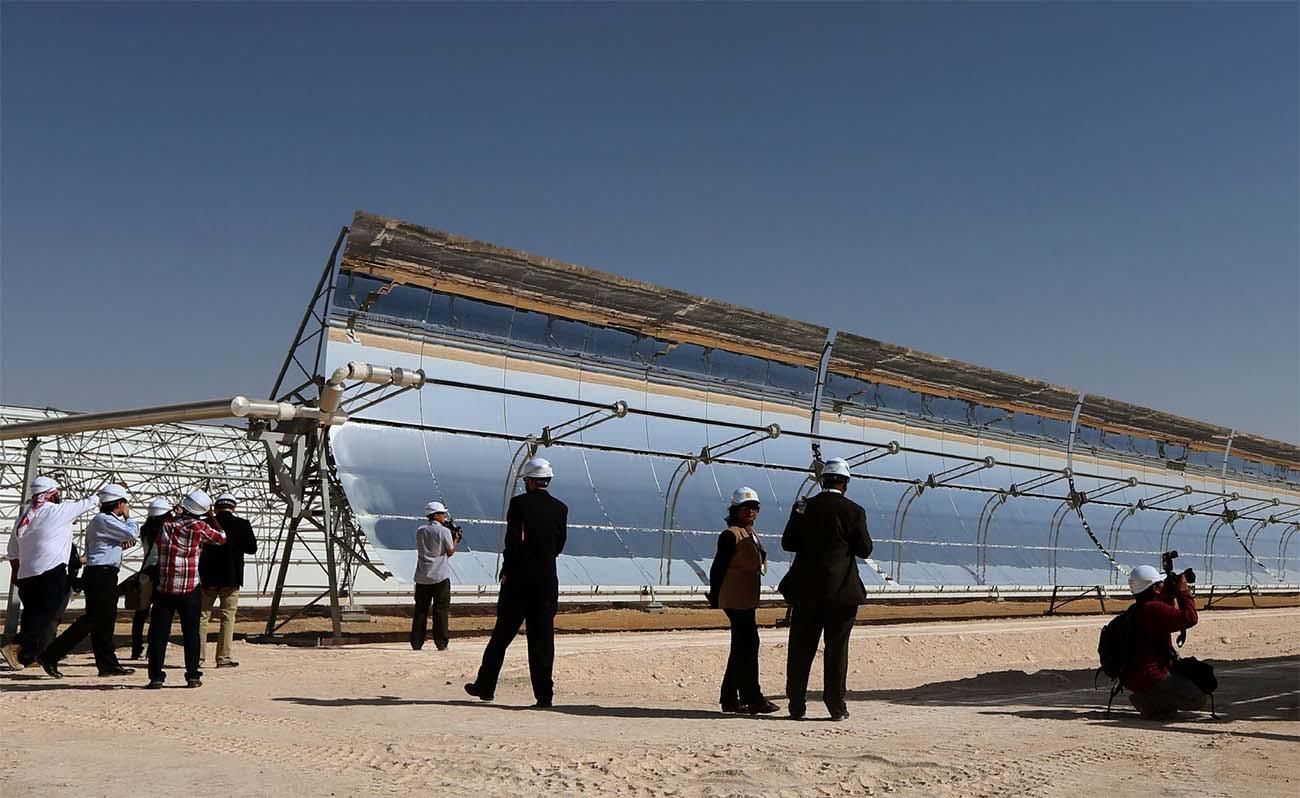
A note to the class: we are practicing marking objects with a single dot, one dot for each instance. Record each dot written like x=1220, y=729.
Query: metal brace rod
x=1037, y=483
x=1151, y=502
x=1083, y=497
x=957, y=472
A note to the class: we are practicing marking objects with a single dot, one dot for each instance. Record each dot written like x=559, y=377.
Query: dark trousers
x=438, y=595
x=99, y=582
x=537, y=609
x=740, y=682
x=137, y=632
x=42, y=597
x=807, y=624
x=1172, y=694
x=165, y=606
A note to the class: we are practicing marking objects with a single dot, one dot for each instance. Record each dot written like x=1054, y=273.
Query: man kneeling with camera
x=1161, y=684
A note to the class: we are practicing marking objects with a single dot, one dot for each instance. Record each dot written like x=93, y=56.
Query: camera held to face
x=1167, y=565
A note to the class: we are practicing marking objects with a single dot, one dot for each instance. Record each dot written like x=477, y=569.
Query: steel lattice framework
x=167, y=460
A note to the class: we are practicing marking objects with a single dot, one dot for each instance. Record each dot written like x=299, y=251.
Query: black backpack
x=1116, y=645
x=1115, y=649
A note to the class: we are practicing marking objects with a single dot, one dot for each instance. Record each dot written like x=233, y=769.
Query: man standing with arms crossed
x=38, y=553
x=536, y=529
x=826, y=534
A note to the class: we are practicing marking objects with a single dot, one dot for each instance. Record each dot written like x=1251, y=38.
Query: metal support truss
x=1057, y=601
x=1229, y=519
x=688, y=465
x=991, y=506
x=1283, y=543
x=549, y=436
x=914, y=491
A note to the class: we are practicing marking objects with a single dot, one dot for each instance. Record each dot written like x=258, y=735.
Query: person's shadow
x=1259, y=690
x=584, y=710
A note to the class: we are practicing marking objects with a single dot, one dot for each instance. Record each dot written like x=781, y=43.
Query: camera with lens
x=1167, y=565
x=456, y=533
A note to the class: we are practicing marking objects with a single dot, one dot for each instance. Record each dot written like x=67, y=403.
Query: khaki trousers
x=229, y=597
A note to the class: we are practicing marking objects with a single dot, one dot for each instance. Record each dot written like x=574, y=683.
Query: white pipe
x=332, y=393
x=236, y=407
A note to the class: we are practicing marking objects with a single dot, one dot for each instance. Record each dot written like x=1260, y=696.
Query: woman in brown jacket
x=734, y=583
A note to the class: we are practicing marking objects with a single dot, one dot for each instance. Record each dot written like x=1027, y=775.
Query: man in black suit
x=536, y=528
x=826, y=533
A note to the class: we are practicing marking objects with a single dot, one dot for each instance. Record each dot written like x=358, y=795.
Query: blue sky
x=1100, y=195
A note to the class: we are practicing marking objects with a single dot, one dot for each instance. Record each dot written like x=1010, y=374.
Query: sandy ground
x=966, y=708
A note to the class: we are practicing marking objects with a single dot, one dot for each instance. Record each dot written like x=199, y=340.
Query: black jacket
x=223, y=565
x=826, y=533
x=536, y=529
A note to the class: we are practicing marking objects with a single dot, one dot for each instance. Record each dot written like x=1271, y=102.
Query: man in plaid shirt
x=178, y=546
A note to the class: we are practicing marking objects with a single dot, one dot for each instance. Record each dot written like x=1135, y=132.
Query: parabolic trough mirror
x=962, y=470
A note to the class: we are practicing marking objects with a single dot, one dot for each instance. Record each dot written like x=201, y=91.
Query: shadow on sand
x=1259, y=690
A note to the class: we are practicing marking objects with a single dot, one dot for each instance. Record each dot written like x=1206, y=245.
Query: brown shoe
x=10, y=655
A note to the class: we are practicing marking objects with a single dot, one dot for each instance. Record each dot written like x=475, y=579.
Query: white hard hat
x=43, y=485
x=196, y=502
x=743, y=495
x=227, y=498
x=1143, y=577
x=434, y=507
x=538, y=468
x=836, y=466
x=159, y=507
x=112, y=493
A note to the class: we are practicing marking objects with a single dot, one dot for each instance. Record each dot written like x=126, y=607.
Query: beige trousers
x=229, y=597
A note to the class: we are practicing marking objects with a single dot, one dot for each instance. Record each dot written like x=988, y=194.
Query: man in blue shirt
x=106, y=535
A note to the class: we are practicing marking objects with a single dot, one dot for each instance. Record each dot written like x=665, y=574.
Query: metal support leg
x=283, y=572
x=327, y=521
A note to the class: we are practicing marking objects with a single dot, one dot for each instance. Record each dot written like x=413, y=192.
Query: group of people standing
x=826, y=533
x=192, y=558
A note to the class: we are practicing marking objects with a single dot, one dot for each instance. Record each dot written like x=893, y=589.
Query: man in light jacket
x=107, y=534
x=38, y=554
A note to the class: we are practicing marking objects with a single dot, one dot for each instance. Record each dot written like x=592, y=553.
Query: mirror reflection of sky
x=619, y=477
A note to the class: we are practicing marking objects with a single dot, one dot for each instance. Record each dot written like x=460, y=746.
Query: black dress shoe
x=155, y=684
x=51, y=669
x=136, y=656
x=797, y=711
x=838, y=715
x=230, y=663
x=761, y=707
x=192, y=683
x=542, y=705
x=474, y=690
x=118, y=671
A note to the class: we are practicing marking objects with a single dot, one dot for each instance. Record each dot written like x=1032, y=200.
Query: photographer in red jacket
x=1164, y=606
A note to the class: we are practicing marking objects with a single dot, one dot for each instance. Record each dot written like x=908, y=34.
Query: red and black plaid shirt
x=178, y=553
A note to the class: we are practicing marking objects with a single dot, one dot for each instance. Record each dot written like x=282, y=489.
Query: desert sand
x=939, y=708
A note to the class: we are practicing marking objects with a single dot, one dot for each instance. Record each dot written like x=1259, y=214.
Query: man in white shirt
x=434, y=543
x=38, y=554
